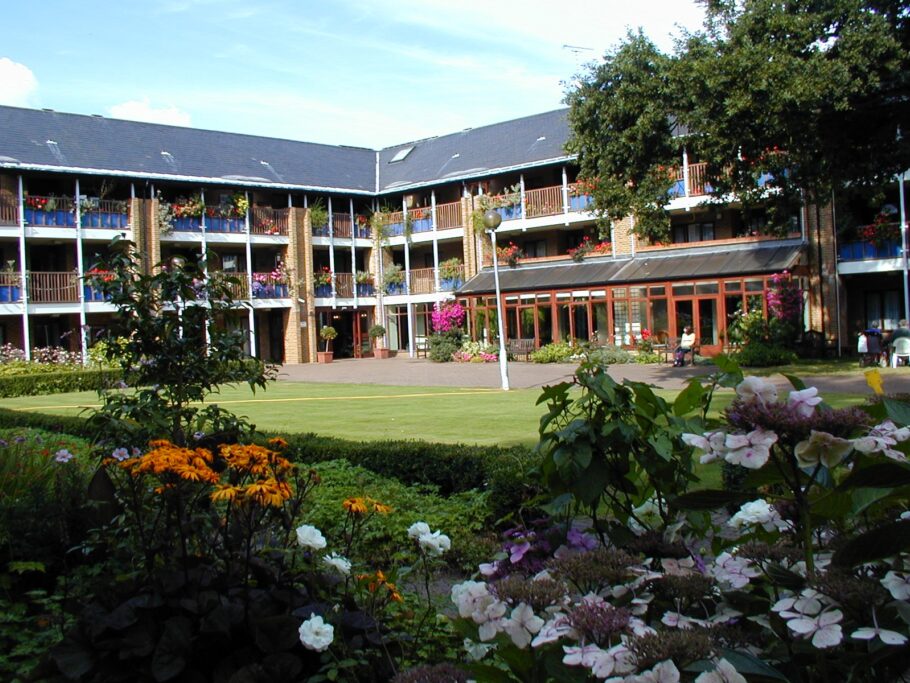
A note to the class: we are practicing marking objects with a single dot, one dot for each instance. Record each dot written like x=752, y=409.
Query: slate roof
x=49, y=140
x=94, y=143
x=477, y=151
x=644, y=268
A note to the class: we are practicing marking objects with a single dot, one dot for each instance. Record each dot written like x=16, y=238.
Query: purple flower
x=19, y=439
x=3, y=443
x=63, y=455
x=120, y=454
x=581, y=540
x=199, y=435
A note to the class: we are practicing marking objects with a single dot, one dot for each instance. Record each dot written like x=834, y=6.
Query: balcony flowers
x=509, y=255
x=40, y=203
x=587, y=247
x=322, y=277
x=881, y=231
x=191, y=207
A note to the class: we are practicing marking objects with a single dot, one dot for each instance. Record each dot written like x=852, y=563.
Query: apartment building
x=351, y=237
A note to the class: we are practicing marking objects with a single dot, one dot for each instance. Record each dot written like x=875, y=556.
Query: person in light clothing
x=686, y=342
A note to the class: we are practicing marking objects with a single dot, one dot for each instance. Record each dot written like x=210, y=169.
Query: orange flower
x=355, y=506
x=278, y=442
x=225, y=492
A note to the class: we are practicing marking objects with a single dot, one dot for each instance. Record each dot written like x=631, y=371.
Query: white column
x=685, y=161
x=521, y=180
x=80, y=267
x=353, y=251
x=565, y=191
x=332, y=253
x=205, y=264
x=905, y=246
x=435, y=241
x=251, y=312
x=23, y=275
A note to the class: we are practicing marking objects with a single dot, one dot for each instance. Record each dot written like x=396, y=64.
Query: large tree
x=809, y=95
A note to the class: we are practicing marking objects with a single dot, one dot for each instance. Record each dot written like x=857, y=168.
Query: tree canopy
x=809, y=96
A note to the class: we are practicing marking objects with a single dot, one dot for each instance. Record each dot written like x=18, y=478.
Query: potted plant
x=377, y=332
x=327, y=333
x=322, y=281
x=364, y=280
x=319, y=219
x=509, y=255
x=9, y=283
x=393, y=280
x=450, y=273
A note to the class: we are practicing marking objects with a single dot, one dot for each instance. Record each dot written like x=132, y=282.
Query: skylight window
x=401, y=154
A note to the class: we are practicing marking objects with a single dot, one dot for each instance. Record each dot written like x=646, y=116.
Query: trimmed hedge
x=60, y=382
x=451, y=468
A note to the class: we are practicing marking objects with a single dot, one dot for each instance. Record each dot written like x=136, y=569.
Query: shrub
x=557, y=352
x=53, y=380
x=759, y=355
x=609, y=355
x=644, y=357
x=65, y=424
x=444, y=345
x=462, y=515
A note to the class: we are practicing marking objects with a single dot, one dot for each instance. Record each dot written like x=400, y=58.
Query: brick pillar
x=622, y=237
x=822, y=262
x=472, y=259
x=146, y=232
x=295, y=261
x=308, y=339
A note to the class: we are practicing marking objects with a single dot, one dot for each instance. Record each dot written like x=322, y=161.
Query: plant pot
x=4, y=294
x=324, y=290
x=365, y=290
x=382, y=353
x=14, y=293
x=324, y=356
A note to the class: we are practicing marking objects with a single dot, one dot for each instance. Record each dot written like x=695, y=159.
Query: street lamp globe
x=491, y=219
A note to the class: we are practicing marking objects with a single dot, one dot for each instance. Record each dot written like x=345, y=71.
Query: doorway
x=700, y=313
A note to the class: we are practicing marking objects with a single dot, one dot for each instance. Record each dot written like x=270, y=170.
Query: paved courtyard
x=405, y=371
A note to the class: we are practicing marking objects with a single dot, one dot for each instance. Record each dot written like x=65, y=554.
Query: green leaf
x=707, y=499
x=275, y=634
x=784, y=577
x=689, y=399
x=168, y=659
x=591, y=485
x=22, y=567
x=72, y=658
x=878, y=475
x=832, y=505
x=749, y=665
x=884, y=541
x=795, y=381
x=865, y=498
x=485, y=672
x=898, y=411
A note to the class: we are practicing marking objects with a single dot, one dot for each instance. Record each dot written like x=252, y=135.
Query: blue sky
x=369, y=73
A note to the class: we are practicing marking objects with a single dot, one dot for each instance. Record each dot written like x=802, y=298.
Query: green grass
x=372, y=413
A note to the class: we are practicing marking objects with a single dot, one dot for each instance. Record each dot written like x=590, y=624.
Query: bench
x=520, y=348
x=421, y=347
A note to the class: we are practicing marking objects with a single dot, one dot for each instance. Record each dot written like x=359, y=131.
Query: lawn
x=371, y=412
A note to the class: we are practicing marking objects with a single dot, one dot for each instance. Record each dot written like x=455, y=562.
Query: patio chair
x=900, y=351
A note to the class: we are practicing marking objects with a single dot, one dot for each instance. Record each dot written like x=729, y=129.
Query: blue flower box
x=324, y=290
x=365, y=290
x=583, y=201
x=422, y=225
x=450, y=284
x=187, y=224
x=394, y=289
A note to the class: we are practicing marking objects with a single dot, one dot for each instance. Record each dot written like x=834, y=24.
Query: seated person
x=686, y=342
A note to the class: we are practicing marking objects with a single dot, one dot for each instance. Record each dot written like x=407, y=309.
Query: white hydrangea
x=823, y=448
x=734, y=571
x=803, y=402
x=433, y=543
x=522, y=625
x=753, y=389
x=758, y=512
x=724, y=673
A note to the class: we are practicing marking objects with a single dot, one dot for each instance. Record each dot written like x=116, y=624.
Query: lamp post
x=491, y=221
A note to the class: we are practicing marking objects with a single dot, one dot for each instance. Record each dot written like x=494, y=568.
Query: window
x=693, y=232
x=535, y=248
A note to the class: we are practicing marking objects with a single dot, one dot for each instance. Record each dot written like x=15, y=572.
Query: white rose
x=315, y=634
x=310, y=537
x=418, y=529
x=338, y=563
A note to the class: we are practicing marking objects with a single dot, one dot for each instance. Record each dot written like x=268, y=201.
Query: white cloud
x=143, y=110
x=17, y=84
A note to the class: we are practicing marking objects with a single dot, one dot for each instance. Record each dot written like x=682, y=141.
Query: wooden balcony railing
x=423, y=281
x=545, y=201
x=240, y=289
x=342, y=226
x=344, y=284
x=9, y=211
x=53, y=288
x=394, y=222
x=448, y=216
x=266, y=221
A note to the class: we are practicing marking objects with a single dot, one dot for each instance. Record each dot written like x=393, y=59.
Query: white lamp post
x=491, y=221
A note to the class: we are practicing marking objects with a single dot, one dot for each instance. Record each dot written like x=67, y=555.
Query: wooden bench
x=421, y=347
x=520, y=348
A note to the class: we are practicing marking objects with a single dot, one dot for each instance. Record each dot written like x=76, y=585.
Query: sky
x=366, y=73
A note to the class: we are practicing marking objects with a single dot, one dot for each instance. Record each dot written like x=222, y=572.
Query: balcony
x=267, y=287
x=9, y=211
x=448, y=216
x=265, y=221
x=697, y=186
x=10, y=287
x=217, y=221
x=105, y=213
x=49, y=211
x=546, y=201
x=53, y=288
x=864, y=251
x=342, y=225
x=423, y=281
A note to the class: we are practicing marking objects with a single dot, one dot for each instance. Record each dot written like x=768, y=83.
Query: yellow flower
x=874, y=380
x=225, y=492
x=381, y=509
x=278, y=442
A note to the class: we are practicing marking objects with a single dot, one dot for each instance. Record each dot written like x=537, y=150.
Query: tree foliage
x=807, y=96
